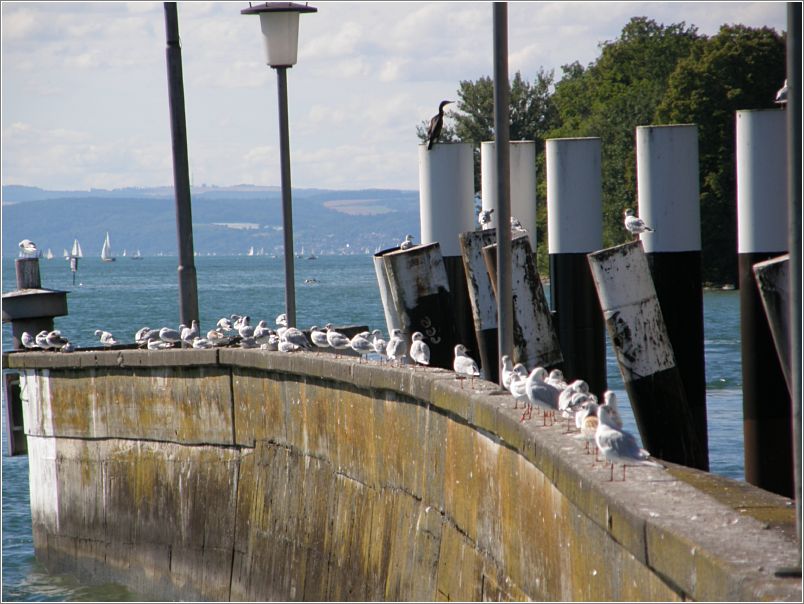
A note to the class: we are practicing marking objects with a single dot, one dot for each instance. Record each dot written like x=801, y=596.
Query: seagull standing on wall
x=436, y=123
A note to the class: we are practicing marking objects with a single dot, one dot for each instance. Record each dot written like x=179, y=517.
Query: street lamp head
x=280, y=30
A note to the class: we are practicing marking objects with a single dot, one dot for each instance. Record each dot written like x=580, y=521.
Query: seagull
x=634, y=224
x=27, y=340
x=361, y=345
x=507, y=371
x=463, y=364
x=248, y=342
x=419, y=350
x=336, y=339
x=282, y=322
x=587, y=422
x=397, y=347
x=295, y=336
x=201, y=343
x=541, y=394
x=217, y=338
x=517, y=386
x=516, y=225
x=106, y=338
x=781, y=95
x=556, y=378
x=318, y=337
x=484, y=219
x=379, y=343
x=272, y=343
x=436, y=123
x=565, y=399
x=68, y=347
x=225, y=324
x=41, y=339
x=145, y=335
x=407, y=243
x=610, y=401
x=28, y=249
x=188, y=334
x=169, y=336
x=619, y=446
x=158, y=345
x=262, y=332
x=55, y=339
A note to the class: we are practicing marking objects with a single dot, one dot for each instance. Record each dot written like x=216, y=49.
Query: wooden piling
x=645, y=355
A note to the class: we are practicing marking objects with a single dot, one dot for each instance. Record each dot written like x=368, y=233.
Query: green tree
x=738, y=68
x=615, y=94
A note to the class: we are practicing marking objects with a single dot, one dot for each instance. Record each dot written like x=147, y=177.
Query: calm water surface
x=125, y=295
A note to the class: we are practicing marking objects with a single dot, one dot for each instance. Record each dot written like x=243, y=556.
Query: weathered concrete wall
x=250, y=475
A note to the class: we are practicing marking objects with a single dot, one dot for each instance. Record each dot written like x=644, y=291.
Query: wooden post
x=636, y=327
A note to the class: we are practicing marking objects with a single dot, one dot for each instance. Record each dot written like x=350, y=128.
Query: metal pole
x=501, y=127
x=188, y=288
x=794, y=213
x=287, y=204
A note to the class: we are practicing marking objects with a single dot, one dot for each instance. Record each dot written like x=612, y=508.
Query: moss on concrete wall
x=248, y=475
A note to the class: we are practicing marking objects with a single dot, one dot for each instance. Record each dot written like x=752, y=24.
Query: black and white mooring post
x=762, y=234
x=644, y=354
x=446, y=209
x=522, y=183
x=481, y=296
x=417, y=280
x=575, y=228
x=669, y=202
x=535, y=339
x=386, y=296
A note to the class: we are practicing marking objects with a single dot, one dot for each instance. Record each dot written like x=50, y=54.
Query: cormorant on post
x=436, y=122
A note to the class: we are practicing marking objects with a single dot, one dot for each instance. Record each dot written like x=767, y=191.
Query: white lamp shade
x=280, y=31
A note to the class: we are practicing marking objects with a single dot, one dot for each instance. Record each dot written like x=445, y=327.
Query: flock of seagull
x=597, y=424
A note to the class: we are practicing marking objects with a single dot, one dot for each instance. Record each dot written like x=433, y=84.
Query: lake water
x=125, y=295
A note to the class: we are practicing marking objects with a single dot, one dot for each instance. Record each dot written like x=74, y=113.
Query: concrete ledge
x=353, y=478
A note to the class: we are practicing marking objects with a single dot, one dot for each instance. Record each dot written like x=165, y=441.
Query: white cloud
x=85, y=86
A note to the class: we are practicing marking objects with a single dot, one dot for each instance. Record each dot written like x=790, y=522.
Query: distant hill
x=226, y=220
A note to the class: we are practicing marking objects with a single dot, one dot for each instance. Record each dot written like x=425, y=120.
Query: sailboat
x=124, y=254
x=76, y=251
x=136, y=255
x=251, y=251
x=106, y=252
x=66, y=255
x=49, y=254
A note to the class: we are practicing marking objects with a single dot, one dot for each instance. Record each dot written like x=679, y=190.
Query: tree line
x=651, y=74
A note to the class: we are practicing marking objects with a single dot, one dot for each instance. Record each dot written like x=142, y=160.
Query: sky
x=85, y=103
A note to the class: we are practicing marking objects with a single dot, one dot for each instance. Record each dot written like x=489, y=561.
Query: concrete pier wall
x=250, y=475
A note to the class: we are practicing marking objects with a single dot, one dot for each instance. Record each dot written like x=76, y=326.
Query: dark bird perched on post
x=436, y=122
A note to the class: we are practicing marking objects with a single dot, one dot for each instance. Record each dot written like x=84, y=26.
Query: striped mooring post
x=669, y=202
x=386, y=297
x=762, y=234
x=574, y=229
x=417, y=280
x=482, y=299
x=644, y=354
x=446, y=209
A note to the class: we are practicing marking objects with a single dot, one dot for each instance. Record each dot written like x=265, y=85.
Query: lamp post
x=280, y=29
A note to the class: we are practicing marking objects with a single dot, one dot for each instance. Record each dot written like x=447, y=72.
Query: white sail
x=124, y=253
x=66, y=254
x=251, y=251
x=49, y=254
x=106, y=252
x=136, y=255
x=76, y=251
